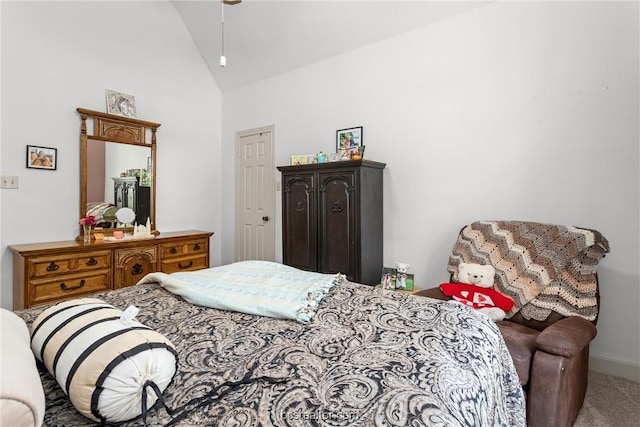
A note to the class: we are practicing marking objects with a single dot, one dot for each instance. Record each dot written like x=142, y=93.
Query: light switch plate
x=9, y=181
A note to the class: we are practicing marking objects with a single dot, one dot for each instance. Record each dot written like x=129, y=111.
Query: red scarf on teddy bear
x=476, y=296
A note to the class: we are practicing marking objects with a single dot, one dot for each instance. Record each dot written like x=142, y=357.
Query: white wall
x=57, y=56
x=513, y=110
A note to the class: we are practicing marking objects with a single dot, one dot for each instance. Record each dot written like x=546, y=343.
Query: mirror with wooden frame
x=117, y=170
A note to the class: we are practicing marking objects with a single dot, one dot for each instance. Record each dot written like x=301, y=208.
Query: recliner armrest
x=566, y=337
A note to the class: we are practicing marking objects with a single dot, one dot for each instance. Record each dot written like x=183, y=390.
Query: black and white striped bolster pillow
x=102, y=363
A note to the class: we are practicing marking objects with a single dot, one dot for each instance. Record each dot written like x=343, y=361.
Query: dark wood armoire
x=332, y=218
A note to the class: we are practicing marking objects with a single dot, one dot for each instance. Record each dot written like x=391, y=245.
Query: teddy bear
x=475, y=289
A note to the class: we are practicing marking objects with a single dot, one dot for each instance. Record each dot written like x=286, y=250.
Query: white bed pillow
x=103, y=364
x=22, y=400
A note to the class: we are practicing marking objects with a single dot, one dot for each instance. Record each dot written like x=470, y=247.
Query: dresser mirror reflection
x=117, y=170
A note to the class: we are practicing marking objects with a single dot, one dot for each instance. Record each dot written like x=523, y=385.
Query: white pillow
x=103, y=364
x=21, y=395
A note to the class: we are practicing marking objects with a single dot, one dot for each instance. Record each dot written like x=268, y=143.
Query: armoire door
x=299, y=222
x=338, y=232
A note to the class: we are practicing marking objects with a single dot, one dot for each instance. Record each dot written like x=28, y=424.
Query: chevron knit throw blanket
x=542, y=267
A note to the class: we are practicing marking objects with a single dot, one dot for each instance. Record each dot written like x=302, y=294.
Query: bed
x=363, y=357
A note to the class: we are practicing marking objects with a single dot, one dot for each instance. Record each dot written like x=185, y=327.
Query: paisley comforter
x=368, y=357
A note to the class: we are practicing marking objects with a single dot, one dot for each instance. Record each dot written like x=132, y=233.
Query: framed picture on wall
x=42, y=157
x=349, y=139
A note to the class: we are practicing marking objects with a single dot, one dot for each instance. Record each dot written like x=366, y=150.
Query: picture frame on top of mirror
x=349, y=139
x=42, y=157
x=121, y=104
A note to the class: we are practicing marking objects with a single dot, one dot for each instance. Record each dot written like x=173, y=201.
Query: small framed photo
x=404, y=282
x=121, y=104
x=299, y=160
x=42, y=157
x=388, y=279
x=345, y=154
x=349, y=139
x=145, y=178
x=334, y=157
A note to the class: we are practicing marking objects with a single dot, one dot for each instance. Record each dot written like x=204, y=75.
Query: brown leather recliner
x=551, y=356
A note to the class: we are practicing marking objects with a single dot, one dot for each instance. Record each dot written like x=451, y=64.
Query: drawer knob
x=64, y=287
x=196, y=247
x=53, y=266
x=137, y=269
x=185, y=266
x=173, y=250
x=92, y=261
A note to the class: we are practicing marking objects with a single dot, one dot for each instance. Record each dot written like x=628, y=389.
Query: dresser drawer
x=67, y=287
x=185, y=264
x=48, y=266
x=188, y=248
x=133, y=264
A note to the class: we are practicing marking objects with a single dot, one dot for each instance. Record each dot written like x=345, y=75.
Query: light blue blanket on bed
x=256, y=287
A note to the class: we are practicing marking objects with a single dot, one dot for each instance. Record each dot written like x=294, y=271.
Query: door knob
x=265, y=218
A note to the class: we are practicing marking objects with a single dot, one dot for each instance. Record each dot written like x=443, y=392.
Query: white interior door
x=255, y=195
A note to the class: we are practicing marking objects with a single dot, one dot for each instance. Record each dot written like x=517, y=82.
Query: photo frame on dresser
x=42, y=157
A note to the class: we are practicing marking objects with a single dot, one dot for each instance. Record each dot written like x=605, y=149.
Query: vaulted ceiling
x=264, y=38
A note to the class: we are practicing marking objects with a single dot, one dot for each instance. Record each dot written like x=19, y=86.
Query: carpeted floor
x=610, y=402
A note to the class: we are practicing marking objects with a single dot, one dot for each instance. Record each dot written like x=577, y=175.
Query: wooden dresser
x=50, y=272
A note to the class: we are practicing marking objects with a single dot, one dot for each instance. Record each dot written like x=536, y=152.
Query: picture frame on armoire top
x=349, y=139
x=299, y=160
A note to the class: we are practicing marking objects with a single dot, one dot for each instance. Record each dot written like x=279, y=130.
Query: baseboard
x=615, y=368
